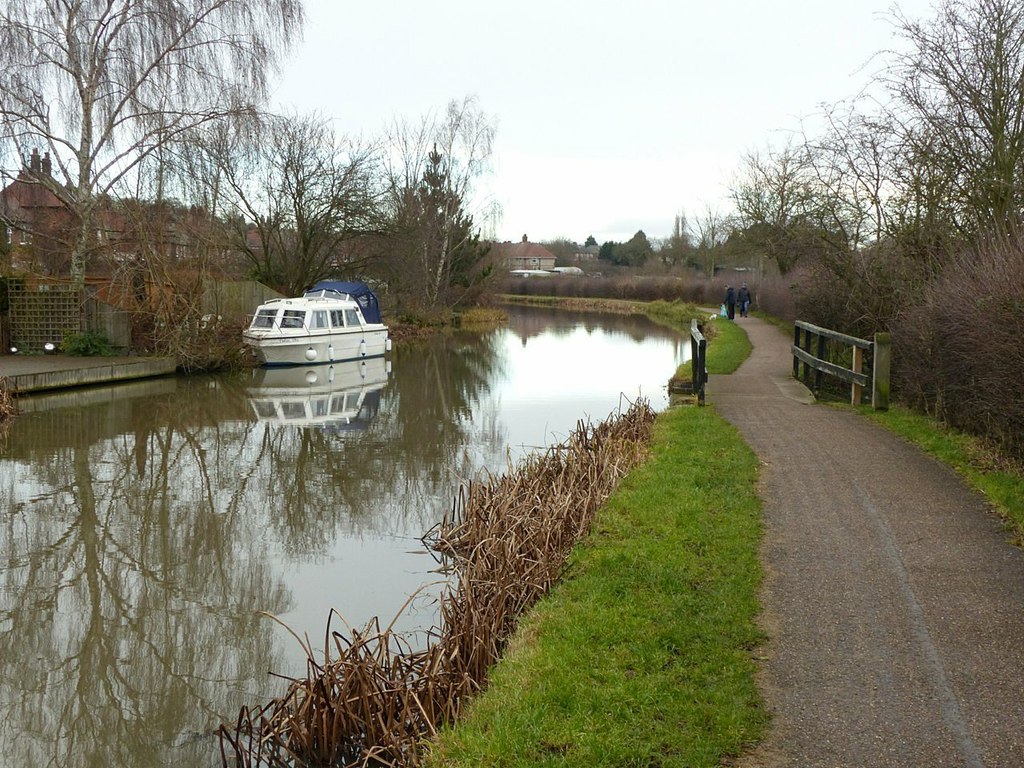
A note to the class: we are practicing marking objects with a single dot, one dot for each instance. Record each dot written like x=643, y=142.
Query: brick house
x=35, y=225
x=524, y=255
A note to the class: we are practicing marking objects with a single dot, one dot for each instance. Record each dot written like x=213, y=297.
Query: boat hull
x=277, y=349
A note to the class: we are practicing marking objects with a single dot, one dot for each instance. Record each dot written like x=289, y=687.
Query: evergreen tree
x=452, y=258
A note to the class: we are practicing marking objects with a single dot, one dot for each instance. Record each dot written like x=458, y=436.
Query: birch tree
x=102, y=84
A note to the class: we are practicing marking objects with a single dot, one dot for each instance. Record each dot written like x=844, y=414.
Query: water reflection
x=127, y=592
x=149, y=524
x=344, y=396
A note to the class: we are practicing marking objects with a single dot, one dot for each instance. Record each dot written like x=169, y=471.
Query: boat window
x=293, y=410
x=321, y=406
x=352, y=317
x=264, y=318
x=320, y=319
x=265, y=409
x=337, y=318
x=293, y=318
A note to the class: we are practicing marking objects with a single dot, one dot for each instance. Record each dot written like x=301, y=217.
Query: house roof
x=26, y=192
x=30, y=190
x=523, y=250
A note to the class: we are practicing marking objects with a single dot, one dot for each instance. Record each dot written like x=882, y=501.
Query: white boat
x=344, y=395
x=331, y=322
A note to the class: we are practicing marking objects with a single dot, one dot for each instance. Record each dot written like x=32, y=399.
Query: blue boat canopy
x=359, y=292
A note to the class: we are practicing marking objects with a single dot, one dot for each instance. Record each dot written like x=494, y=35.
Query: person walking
x=730, y=302
x=744, y=300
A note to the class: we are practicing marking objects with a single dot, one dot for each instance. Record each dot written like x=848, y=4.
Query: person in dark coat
x=743, y=297
x=730, y=302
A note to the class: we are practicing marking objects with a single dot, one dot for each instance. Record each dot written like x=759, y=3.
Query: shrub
x=958, y=351
x=774, y=295
x=861, y=292
x=87, y=344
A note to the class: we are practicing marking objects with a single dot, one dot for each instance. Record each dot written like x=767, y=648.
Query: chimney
x=34, y=166
x=46, y=165
x=525, y=240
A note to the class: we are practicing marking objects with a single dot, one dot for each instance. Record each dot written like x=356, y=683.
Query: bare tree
x=774, y=199
x=711, y=229
x=960, y=94
x=102, y=84
x=295, y=196
x=850, y=172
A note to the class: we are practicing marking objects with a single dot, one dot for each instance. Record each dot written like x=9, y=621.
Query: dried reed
x=8, y=410
x=8, y=406
x=373, y=700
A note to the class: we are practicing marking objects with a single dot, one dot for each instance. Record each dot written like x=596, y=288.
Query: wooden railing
x=810, y=351
x=698, y=361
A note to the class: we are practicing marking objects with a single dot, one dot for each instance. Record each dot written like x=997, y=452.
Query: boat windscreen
x=359, y=292
x=264, y=318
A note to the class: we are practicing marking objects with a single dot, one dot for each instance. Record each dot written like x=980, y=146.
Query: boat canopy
x=359, y=292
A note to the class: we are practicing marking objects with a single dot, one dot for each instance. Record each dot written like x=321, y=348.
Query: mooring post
x=880, y=371
x=698, y=361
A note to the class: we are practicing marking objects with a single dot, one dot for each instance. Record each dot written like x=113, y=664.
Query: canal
x=149, y=528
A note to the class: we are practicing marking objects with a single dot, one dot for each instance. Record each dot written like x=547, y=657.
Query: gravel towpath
x=893, y=602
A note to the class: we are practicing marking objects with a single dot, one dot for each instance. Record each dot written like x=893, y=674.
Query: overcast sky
x=611, y=116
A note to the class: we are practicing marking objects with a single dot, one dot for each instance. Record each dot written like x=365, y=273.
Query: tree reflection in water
x=148, y=525
x=147, y=530
x=127, y=594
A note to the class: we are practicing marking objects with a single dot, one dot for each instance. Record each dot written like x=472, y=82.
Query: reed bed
x=370, y=699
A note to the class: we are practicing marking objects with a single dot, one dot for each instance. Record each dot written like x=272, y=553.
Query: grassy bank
x=641, y=656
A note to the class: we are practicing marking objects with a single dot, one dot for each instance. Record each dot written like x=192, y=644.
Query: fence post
x=856, y=391
x=808, y=341
x=880, y=371
x=796, y=343
x=818, y=373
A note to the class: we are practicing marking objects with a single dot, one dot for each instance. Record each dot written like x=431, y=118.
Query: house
x=524, y=255
x=35, y=226
x=38, y=230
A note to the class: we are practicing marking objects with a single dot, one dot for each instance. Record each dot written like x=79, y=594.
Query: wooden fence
x=811, y=353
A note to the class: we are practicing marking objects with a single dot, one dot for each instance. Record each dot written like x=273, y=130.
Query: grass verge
x=980, y=465
x=642, y=655
x=729, y=347
x=728, y=343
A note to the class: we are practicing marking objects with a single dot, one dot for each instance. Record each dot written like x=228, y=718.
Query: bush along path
x=893, y=602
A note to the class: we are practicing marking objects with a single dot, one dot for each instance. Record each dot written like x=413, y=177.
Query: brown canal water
x=146, y=527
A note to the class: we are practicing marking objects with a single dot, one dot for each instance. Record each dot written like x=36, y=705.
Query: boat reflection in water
x=344, y=396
